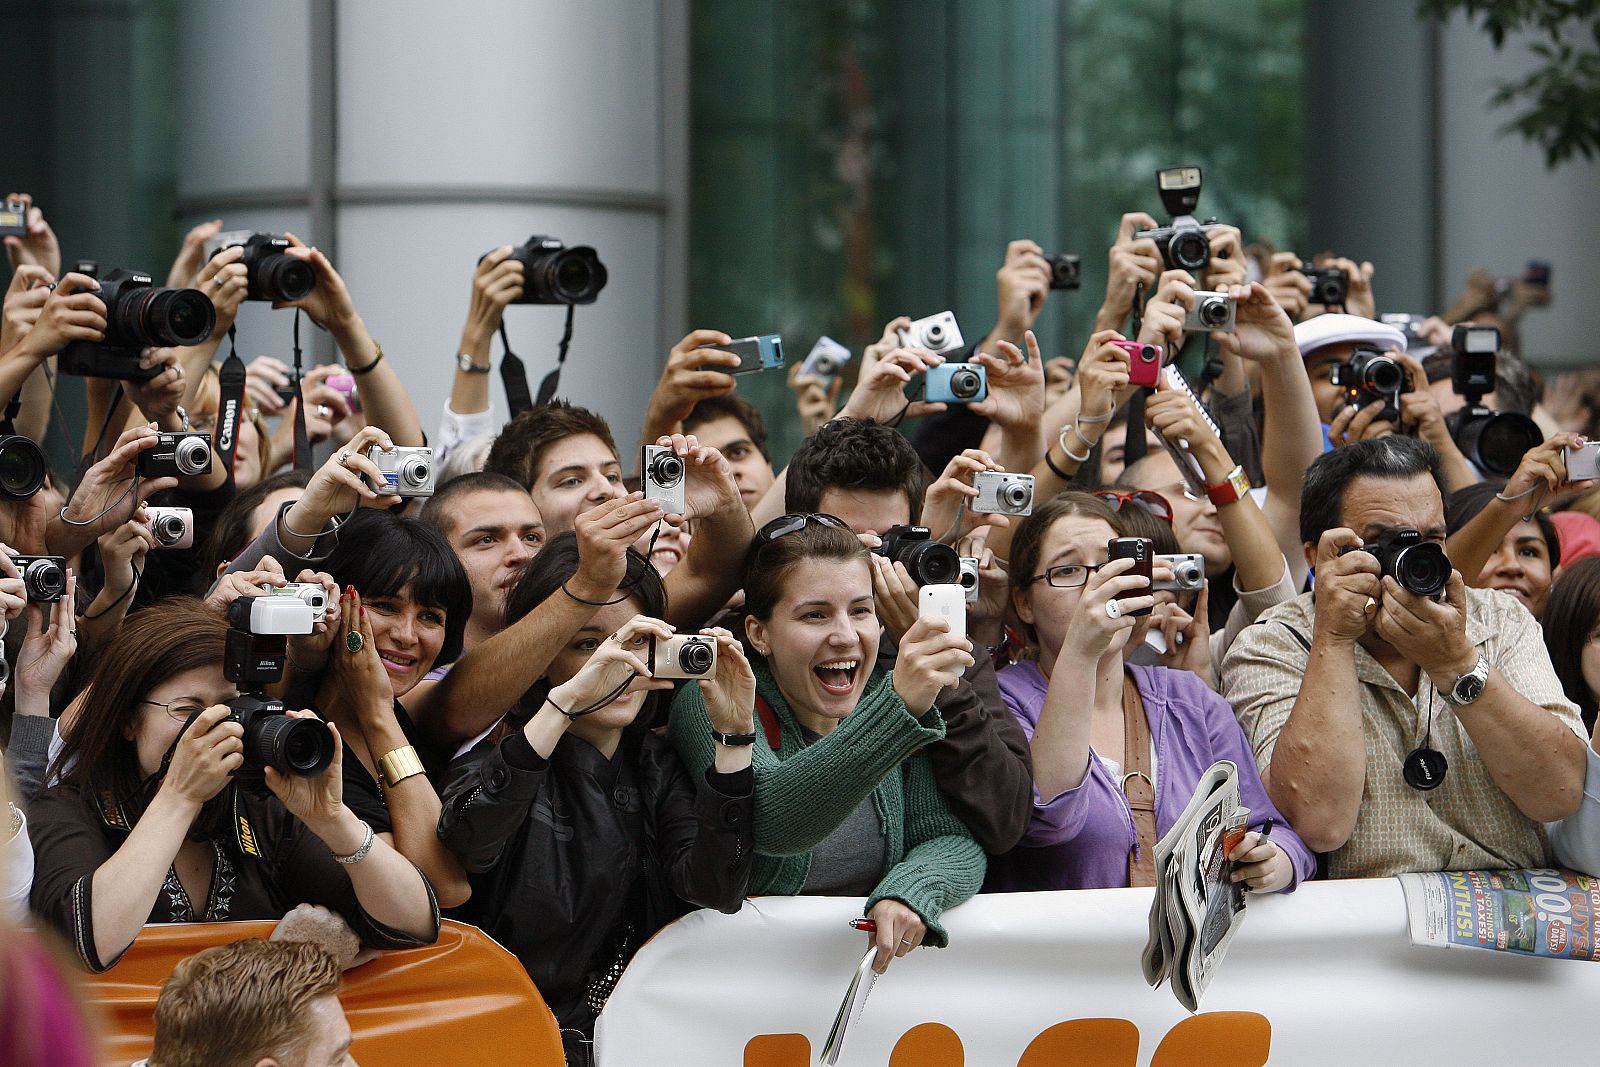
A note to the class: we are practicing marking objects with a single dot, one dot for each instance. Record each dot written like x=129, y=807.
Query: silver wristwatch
x=464, y=362
x=1469, y=686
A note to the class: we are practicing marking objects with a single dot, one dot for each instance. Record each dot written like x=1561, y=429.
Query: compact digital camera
x=1144, y=362
x=272, y=273
x=253, y=657
x=14, y=217
x=310, y=594
x=1329, y=286
x=139, y=315
x=1369, y=376
x=1188, y=572
x=179, y=454
x=1000, y=492
x=407, y=471
x=1066, y=271
x=662, y=477
x=937, y=333
x=762, y=352
x=1186, y=243
x=969, y=577
x=552, y=273
x=682, y=656
x=173, y=528
x=929, y=562
x=1420, y=566
x=953, y=383
x=826, y=359
x=1211, y=312
x=43, y=577
x=345, y=385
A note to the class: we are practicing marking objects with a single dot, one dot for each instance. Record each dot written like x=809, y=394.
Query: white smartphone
x=948, y=602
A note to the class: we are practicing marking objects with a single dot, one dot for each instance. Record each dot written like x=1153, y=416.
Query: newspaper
x=1196, y=909
x=1531, y=912
x=855, y=999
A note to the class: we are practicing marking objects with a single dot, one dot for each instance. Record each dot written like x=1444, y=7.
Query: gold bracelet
x=395, y=767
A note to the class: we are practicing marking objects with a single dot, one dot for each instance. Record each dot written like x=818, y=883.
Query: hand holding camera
x=1430, y=631
x=1103, y=375
x=36, y=245
x=13, y=590
x=708, y=483
x=729, y=689
x=208, y=753
x=931, y=656
x=267, y=575
x=1095, y=629
x=1023, y=282
x=879, y=393
x=815, y=397
x=186, y=266
x=46, y=650
x=1227, y=266
x=604, y=534
x=1262, y=330
x=1133, y=262
x=1359, y=298
x=894, y=593
x=688, y=377
x=1015, y=384
x=158, y=398
x=617, y=668
x=1349, y=586
x=348, y=477
x=955, y=489
x=272, y=273
x=226, y=281
x=106, y=497
x=72, y=312
x=25, y=298
x=122, y=555
x=1287, y=284
x=1185, y=635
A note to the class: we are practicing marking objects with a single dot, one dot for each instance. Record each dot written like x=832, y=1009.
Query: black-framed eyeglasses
x=181, y=709
x=1067, y=576
x=1149, y=499
x=784, y=525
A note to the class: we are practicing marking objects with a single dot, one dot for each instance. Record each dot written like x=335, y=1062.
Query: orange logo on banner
x=1215, y=1039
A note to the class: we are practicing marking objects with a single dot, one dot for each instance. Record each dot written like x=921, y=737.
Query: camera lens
x=1189, y=250
x=192, y=455
x=1188, y=573
x=1383, y=375
x=414, y=471
x=1213, y=312
x=969, y=578
x=666, y=469
x=22, y=468
x=827, y=365
x=964, y=384
x=1015, y=496
x=929, y=562
x=1423, y=569
x=1496, y=441
x=1147, y=354
x=44, y=580
x=568, y=276
x=694, y=657
x=168, y=529
x=933, y=336
x=281, y=277
x=166, y=317
x=302, y=747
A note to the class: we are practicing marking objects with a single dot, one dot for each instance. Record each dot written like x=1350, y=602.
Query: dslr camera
x=173, y=528
x=407, y=471
x=1421, y=567
x=178, y=454
x=257, y=645
x=1066, y=271
x=1186, y=243
x=929, y=562
x=951, y=383
x=552, y=273
x=663, y=474
x=139, y=315
x=1003, y=493
x=1369, y=376
x=1493, y=441
x=43, y=577
x=682, y=656
x=272, y=273
x=1329, y=286
x=969, y=578
x=22, y=467
x=1212, y=311
x=310, y=594
x=937, y=333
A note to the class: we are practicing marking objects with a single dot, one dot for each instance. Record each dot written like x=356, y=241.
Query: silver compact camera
x=177, y=454
x=686, y=656
x=826, y=359
x=937, y=333
x=1211, y=311
x=173, y=528
x=310, y=594
x=1188, y=572
x=663, y=474
x=1003, y=493
x=408, y=472
x=969, y=578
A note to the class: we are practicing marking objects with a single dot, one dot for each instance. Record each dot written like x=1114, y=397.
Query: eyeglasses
x=784, y=525
x=1067, y=576
x=1149, y=499
x=180, y=710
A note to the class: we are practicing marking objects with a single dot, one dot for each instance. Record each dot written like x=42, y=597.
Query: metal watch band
x=1469, y=686
x=732, y=740
x=465, y=362
x=395, y=767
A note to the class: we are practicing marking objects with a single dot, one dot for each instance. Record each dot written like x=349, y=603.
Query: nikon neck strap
x=514, y=375
x=230, y=405
x=302, y=439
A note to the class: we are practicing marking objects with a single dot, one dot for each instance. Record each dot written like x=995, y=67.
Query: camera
x=1144, y=362
x=178, y=454
x=1066, y=271
x=662, y=478
x=257, y=645
x=1369, y=376
x=173, y=528
x=1188, y=572
x=272, y=273
x=1329, y=286
x=952, y=383
x=969, y=577
x=684, y=656
x=1494, y=441
x=22, y=467
x=1421, y=567
x=1211, y=311
x=937, y=333
x=310, y=594
x=1411, y=325
x=552, y=273
x=139, y=315
x=826, y=359
x=43, y=577
x=929, y=562
x=1186, y=244
x=14, y=217
x=1003, y=493
x=345, y=385
x=1583, y=462
x=763, y=352
x=408, y=472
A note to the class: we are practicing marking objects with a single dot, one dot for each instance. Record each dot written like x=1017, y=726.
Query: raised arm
x=1542, y=474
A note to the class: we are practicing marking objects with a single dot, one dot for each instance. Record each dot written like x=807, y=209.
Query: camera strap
x=230, y=405
x=8, y=422
x=514, y=376
x=302, y=439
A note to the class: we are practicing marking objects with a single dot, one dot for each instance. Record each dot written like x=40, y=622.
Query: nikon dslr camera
x=929, y=562
x=139, y=315
x=407, y=471
x=257, y=646
x=178, y=454
x=272, y=273
x=1186, y=243
x=1370, y=376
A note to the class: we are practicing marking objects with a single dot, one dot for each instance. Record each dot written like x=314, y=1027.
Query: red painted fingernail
x=363, y=611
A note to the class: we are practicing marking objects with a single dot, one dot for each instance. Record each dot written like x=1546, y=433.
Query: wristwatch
x=1469, y=686
x=732, y=740
x=1234, y=486
x=464, y=362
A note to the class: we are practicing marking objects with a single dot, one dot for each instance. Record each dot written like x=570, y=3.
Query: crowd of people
x=563, y=700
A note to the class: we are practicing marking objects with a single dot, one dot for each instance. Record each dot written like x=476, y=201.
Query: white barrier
x=1330, y=967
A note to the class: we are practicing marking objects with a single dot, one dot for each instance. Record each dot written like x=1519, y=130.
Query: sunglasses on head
x=784, y=525
x=1148, y=499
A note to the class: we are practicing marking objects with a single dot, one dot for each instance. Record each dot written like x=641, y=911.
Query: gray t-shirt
x=849, y=861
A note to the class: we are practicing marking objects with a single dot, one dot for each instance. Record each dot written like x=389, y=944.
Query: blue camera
x=955, y=383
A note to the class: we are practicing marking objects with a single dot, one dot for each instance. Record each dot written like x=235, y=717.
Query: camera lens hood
x=22, y=467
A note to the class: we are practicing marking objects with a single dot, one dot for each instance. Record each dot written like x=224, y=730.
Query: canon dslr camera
x=1421, y=567
x=552, y=273
x=929, y=562
x=1186, y=244
x=1370, y=376
x=273, y=273
x=139, y=315
x=258, y=631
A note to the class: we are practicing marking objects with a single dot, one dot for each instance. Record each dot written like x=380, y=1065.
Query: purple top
x=1081, y=839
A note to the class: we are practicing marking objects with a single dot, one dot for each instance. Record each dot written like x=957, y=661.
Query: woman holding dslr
x=845, y=804
x=148, y=823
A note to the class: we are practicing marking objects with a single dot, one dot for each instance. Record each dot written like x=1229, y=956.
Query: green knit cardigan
x=805, y=792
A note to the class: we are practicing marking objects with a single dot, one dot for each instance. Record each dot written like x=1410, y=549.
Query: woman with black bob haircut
x=1572, y=634
x=148, y=823
x=630, y=835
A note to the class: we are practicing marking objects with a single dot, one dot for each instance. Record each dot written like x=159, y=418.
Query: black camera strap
x=230, y=405
x=8, y=422
x=302, y=439
x=514, y=376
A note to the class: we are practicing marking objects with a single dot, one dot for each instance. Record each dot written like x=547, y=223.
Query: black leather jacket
x=575, y=861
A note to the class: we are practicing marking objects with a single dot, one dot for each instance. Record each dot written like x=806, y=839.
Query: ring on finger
x=324, y=411
x=906, y=941
x=344, y=458
x=1113, y=609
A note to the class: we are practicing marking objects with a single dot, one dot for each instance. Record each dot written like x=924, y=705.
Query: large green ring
x=352, y=641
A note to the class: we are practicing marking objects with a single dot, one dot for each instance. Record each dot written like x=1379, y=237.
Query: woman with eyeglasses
x=149, y=823
x=1117, y=749
x=846, y=805
x=582, y=832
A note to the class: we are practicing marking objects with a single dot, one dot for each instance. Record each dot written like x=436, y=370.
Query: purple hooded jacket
x=1080, y=840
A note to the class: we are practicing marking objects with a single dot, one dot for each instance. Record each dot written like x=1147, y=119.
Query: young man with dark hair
x=733, y=426
x=566, y=458
x=860, y=471
x=493, y=526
